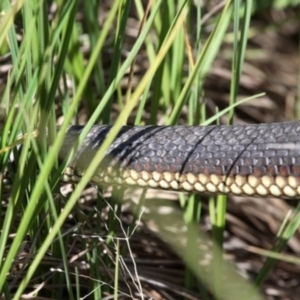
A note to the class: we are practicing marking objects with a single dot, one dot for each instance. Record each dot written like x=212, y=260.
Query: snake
x=260, y=160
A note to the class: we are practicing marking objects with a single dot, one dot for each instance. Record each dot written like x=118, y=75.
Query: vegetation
x=125, y=62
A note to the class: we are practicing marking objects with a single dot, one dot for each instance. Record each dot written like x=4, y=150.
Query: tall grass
x=49, y=71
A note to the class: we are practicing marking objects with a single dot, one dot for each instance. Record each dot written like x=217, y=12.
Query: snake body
x=255, y=160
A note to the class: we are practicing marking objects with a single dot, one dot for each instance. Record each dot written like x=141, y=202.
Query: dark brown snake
x=255, y=160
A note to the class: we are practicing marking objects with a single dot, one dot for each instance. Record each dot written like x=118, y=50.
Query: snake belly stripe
x=255, y=160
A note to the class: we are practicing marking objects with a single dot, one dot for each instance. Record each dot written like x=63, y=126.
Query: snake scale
x=255, y=160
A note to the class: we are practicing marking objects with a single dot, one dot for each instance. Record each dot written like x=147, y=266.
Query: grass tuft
x=116, y=62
